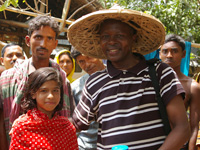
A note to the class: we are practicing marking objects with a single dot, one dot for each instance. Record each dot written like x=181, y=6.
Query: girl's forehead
x=50, y=84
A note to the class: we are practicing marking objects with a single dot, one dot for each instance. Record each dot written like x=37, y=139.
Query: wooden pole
x=64, y=14
x=19, y=24
x=14, y=23
x=195, y=45
x=32, y=14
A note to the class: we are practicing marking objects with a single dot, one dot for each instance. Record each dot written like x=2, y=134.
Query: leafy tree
x=7, y=3
x=181, y=17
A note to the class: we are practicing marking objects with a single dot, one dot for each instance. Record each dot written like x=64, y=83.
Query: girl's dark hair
x=35, y=81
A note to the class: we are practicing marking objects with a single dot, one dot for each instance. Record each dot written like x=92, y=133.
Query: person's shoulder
x=98, y=73
x=18, y=68
x=8, y=72
x=156, y=62
x=195, y=85
x=160, y=66
x=21, y=119
x=80, y=80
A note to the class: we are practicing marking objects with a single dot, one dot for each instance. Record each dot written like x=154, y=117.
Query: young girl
x=41, y=127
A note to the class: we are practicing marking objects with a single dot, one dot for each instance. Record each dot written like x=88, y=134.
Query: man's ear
x=56, y=43
x=134, y=37
x=27, y=40
x=1, y=59
x=184, y=53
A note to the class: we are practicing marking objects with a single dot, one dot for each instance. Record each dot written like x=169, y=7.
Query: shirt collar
x=31, y=67
x=112, y=71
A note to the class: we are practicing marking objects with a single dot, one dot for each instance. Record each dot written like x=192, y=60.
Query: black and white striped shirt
x=123, y=102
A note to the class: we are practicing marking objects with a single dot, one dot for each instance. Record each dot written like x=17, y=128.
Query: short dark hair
x=35, y=81
x=6, y=46
x=176, y=38
x=39, y=21
x=74, y=53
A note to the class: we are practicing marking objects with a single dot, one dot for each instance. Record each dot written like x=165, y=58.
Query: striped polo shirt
x=123, y=102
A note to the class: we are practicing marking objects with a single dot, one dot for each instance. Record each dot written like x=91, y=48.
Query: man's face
x=89, y=64
x=116, y=39
x=42, y=42
x=171, y=53
x=12, y=53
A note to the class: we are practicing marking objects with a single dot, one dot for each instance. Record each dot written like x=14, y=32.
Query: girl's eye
x=57, y=90
x=43, y=90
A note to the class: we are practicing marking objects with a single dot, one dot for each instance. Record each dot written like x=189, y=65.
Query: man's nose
x=43, y=42
x=87, y=64
x=169, y=54
x=112, y=40
x=14, y=57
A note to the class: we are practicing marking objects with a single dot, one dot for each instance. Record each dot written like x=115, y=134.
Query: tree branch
x=36, y=5
x=33, y=8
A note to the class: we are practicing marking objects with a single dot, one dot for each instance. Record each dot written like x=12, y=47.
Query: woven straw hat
x=83, y=34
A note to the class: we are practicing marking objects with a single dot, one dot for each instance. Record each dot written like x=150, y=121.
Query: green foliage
x=7, y=3
x=181, y=17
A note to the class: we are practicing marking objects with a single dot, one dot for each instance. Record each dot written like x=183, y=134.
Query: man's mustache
x=42, y=48
x=12, y=62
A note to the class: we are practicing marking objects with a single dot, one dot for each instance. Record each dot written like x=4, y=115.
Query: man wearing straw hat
x=122, y=98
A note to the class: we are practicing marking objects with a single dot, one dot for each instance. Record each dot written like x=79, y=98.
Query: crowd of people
x=42, y=106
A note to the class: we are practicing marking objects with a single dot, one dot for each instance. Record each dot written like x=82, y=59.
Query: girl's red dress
x=34, y=130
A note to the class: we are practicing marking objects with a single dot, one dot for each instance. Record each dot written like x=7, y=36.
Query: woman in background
x=66, y=62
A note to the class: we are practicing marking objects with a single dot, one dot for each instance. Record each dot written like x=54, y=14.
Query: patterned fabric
x=87, y=139
x=34, y=130
x=13, y=84
x=123, y=103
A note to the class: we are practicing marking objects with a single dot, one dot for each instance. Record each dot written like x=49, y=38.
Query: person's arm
x=194, y=115
x=3, y=139
x=180, y=132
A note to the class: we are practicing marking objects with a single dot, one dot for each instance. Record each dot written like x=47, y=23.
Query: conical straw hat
x=83, y=34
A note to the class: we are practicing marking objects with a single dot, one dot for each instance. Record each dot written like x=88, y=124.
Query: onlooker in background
x=66, y=62
x=87, y=140
x=10, y=53
x=121, y=98
x=41, y=39
x=171, y=53
x=41, y=127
